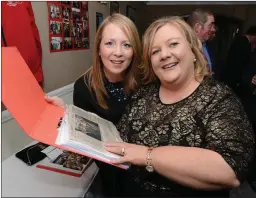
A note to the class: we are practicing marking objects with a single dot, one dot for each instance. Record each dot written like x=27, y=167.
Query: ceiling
x=149, y=3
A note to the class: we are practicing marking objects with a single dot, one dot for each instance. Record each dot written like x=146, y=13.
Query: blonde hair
x=195, y=44
x=96, y=73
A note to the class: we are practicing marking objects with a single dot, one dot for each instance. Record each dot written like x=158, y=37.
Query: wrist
x=149, y=160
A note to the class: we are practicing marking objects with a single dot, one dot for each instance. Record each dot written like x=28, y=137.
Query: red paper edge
x=64, y=171
x=59, y=171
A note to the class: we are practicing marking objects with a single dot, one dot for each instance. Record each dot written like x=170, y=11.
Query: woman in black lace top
x=186, y=135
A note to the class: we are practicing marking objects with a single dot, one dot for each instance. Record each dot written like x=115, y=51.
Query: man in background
x=238, y=59
x=203, y=24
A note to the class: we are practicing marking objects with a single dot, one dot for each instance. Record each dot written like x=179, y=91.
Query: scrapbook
x=85, y=131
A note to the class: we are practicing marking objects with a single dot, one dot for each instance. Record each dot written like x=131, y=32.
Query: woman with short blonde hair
x=186, y=135
x=200, y=64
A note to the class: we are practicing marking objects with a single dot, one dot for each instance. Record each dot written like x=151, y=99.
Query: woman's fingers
x=55, y=100
x=114, y=144
x=119, y=160
x=115, y=149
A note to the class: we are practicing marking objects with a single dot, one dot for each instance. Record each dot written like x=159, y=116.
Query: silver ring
x=123, y=151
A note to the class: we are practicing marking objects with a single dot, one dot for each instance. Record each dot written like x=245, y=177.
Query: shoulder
x=215, y=87
x=82, y=82
x=217, y=93
x=242, y=40
x=81, y=85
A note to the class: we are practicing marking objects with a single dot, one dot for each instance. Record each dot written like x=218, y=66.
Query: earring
x=194, y=59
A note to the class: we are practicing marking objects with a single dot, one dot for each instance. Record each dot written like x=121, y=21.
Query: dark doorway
x=227, y=29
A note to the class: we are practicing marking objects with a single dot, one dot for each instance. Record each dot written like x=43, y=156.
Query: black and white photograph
x=56, y=43
x=66, y=2
x=66, y=12
x=85, y=5
x=67, y=43
x=76, y=4
x=66, y=29
x=73, y=29
x=86, y=126
x=85, y=43
x=54, y=11
x=55, y=27
x=85, y=15
x=79, y=30
x=76, y=16
x=85, y=29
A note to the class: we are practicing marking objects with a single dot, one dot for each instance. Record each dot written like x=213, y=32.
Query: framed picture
x=99, y=19
x=131, y=13
x=68, y=25
x=114, y=7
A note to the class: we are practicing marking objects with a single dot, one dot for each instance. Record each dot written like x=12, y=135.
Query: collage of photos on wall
x=68, y=25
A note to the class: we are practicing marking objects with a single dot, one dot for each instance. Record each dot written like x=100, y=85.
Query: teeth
x=169, y=65
x=117, y=62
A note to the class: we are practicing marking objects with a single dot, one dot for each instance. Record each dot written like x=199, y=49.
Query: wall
x=250, y=17
x=62, y=68
x=244, y=12
x=139, y=7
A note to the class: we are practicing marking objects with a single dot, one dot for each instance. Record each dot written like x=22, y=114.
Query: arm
x=225, y=159
x=221, y=164
x=194, y=167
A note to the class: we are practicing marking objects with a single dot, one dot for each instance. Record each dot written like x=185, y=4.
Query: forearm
x=194, y=167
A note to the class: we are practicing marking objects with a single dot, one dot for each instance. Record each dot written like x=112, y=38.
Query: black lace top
x=211, y=117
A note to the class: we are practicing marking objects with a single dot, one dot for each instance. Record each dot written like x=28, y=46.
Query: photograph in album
x=86, y=132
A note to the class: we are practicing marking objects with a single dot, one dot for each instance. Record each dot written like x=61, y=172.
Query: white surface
x=13, y=136
x=20, y=180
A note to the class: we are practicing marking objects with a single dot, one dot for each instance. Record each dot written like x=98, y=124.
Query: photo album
x=87, y=132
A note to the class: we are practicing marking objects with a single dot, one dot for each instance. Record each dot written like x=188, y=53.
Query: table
x=21, y=180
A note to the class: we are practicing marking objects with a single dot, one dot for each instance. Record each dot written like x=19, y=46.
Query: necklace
x=116, y=90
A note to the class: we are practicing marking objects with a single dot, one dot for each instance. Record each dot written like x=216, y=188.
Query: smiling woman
x=105, y=89
x=116, y=52
x=186, y=134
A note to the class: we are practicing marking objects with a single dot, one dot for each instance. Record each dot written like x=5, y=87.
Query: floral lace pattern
x=211, y=117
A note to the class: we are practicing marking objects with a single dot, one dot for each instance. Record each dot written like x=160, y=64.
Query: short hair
x=198, y=16
x=200, y=65
x=251, y=31
x=95, y=73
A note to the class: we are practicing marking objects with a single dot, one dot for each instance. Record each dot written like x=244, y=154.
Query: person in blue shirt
x=203, y=24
